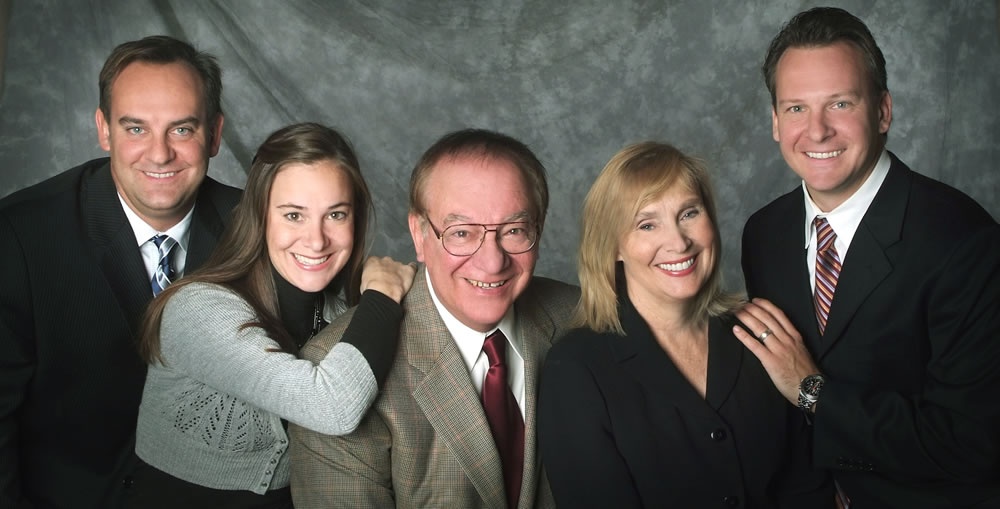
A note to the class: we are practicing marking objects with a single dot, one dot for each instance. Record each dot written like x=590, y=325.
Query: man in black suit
x=78, y=264
x=889, y=283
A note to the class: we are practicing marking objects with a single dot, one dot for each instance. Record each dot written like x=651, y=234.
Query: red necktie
x=827, y=271
x=504, y=416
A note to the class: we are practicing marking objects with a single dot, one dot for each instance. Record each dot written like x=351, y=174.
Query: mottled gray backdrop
x=575, y=80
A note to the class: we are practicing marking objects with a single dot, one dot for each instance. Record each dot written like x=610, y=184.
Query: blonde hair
x=635, y=176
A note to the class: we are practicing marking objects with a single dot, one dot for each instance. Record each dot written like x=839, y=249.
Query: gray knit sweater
x=211, y=414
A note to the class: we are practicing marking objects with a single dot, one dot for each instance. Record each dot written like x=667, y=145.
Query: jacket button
x=718, y=435
x=731, y=500
x=127, y=482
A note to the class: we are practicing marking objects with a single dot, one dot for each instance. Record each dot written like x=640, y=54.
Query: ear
x=774, y=125
x=216, y=135
x=417, y=233
x=103, y=130
x=884, y=113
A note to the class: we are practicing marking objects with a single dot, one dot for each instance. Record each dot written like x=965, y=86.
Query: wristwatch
x=809, y=389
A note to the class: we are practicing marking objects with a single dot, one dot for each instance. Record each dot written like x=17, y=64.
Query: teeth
x=824, y=155
x=677, y=267
x=310, y=261
x=481, y=284
x=160, y=175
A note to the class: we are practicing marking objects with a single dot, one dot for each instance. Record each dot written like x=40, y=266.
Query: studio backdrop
x=575, y=80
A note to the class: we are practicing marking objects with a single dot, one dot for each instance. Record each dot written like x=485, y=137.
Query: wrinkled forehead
x=476, y=182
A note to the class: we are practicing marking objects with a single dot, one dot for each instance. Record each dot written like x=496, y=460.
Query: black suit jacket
x=910, y=415
x=72, y=291
x=620, y=426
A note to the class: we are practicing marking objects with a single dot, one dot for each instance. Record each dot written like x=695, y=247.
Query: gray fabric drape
x=574, y=80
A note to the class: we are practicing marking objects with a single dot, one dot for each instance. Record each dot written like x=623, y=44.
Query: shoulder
x=56, y=190
x=779, y=209
x=583, y=346
x=204, y=299
x=556, y=297
x=222, y=197
x=945, y=209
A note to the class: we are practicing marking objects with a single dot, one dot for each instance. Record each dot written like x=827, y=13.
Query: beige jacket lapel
x=447, y=398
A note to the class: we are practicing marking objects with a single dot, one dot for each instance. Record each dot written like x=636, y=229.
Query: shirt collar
x=846, y=218
x=470, y=341
x=143, y=232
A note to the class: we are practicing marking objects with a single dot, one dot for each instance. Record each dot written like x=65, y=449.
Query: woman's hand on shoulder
x=388, y=276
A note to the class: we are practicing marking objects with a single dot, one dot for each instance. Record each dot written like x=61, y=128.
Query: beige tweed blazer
x=426, y=442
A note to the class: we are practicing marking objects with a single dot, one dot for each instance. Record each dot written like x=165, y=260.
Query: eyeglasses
x=466, y=239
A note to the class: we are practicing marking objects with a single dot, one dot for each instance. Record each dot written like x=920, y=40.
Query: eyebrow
x=302, y=207
x=694, y=201
x=127, y=120
x=521, y=216
x=854, y=94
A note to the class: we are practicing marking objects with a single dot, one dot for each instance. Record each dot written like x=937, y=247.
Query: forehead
x=323, y=181
x=832, y=65
x=477, y=188
x=149, y=84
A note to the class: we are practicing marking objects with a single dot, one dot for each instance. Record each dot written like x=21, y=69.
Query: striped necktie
x=164, y=271
x=827, y=271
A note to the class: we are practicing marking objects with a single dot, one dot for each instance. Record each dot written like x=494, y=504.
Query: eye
x=133, y=130
x=514, y=231
x=338, y=215
x=690, y=213
x=184, y=131
x=293, y=216
x=796, y=109
x=646, y=226
x=841, y=105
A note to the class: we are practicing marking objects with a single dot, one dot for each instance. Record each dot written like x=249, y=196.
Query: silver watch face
x=811, y=385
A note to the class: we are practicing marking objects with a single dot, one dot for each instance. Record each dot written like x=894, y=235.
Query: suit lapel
x=113, y=245
x=447, y=397
x=866, y=264
x=536, y=332
x=206, y=228
x=789, y=251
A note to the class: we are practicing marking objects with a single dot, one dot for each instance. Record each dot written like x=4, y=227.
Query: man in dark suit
x=434, y=437
x=882, y=286
x=78, y=264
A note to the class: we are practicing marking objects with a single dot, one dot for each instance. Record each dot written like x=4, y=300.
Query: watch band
x=809, y=389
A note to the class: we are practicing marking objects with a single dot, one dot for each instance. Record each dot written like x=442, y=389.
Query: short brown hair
x=635, y=176
x=824, y=26
x=489, y=145
x=163, y=49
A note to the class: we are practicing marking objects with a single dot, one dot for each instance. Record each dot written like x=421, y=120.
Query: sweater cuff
x=374, y=331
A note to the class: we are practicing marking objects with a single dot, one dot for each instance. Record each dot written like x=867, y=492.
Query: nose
x=316, y=237
x=160, y=150
x=490, y=257
x=676, y=239
x=819, y=128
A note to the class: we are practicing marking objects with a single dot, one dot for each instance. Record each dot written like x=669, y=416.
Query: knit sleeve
x=202, y=336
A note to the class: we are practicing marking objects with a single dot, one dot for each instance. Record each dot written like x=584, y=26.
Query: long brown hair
x=240, y=261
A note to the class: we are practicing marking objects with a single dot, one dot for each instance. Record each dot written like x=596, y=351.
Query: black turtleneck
x=373, y=330
x=298, y=309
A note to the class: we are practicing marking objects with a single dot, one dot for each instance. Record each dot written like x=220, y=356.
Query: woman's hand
x=781, y=352
x=387, y=276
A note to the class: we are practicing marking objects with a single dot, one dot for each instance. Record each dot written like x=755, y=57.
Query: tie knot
x=824, y=234
x=495, y=348
x=163, y=242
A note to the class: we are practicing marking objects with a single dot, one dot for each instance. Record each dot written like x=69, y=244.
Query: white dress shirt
x=844, y=219
x=144, y=233
x=470, y=344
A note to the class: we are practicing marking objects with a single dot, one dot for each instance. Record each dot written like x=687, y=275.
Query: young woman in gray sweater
x=221, y=344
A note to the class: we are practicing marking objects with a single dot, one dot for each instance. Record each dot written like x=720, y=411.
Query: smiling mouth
x=824, y=155
x=481, y=284
x=305, y=260
x=677, y=267
x=160, y=175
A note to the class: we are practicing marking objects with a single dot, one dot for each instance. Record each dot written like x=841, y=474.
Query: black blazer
x=72, y=291
x=620, y=426
x=910, y=415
